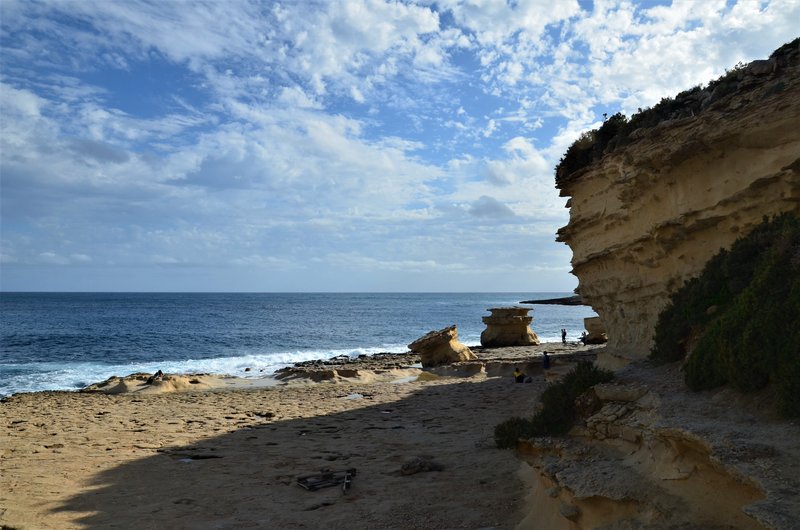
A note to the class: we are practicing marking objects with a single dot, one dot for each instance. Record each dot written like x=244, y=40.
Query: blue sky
x=357, y=145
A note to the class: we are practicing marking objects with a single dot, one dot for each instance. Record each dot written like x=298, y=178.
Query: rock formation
x=566, y=300
x=596, y=331
x=653, y=207
x=441, y=347
x=647, y=453
x=144, y=383
x=508, y=326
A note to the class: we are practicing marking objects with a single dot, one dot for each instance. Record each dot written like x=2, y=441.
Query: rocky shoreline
x=230, y=455
x=645, y=451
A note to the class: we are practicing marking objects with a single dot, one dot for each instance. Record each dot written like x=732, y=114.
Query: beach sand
x=228, y=457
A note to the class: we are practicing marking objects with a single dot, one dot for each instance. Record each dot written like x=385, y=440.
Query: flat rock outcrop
x=648, y=215
x=648, y=453
x=144, y=383
x=508, y=326
x=566, y=300
x=441, y=347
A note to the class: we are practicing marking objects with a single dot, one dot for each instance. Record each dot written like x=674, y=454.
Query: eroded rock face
x=596, y=331
x=648, y=453
x=508, y=326
x=648, y=216
x=441, y=347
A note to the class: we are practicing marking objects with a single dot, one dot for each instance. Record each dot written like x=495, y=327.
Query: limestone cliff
x=647, y=213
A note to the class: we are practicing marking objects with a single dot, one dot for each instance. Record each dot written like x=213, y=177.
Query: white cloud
x=375, y=135
x=487, y=206
x=19, y=102
x=296, y=97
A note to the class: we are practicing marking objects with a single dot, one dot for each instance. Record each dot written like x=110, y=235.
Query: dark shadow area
x=246, y=478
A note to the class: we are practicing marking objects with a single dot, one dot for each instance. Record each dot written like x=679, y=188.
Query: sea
x=65, y=341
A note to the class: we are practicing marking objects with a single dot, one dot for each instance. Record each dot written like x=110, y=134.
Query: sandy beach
x=229, y=457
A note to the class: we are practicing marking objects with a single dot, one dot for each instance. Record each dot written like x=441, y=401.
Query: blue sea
x=64, y=341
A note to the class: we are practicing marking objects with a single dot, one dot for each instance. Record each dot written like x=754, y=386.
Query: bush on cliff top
x=616, y=130
x=743, y=314
x=558, y=407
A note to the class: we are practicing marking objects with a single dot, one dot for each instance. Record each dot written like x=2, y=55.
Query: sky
x=337, y=145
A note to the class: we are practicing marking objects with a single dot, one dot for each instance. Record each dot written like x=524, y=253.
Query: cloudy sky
x=352, y=145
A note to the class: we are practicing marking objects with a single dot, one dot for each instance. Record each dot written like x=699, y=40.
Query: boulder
x=761, y=67
x=441, y=347
x=508, y=326
x=596, y=330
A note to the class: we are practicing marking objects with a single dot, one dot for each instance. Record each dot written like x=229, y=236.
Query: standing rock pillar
x=508, y=326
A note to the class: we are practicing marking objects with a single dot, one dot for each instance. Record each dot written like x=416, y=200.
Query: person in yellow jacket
x=520, y=376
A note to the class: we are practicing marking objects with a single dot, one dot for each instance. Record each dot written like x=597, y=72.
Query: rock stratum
x=647, y=215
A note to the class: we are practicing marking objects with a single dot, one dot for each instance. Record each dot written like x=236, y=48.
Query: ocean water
x=64, y=341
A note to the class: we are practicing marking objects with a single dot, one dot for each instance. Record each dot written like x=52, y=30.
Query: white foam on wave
x=35, y=377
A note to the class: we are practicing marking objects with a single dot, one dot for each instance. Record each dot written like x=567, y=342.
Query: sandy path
x=228, y=459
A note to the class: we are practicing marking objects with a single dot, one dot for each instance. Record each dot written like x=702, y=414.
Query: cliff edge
x=653, y=198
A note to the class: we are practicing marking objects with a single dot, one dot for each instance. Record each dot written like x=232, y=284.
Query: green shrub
x=507, y=433
x=753, y=337
x=558, y=407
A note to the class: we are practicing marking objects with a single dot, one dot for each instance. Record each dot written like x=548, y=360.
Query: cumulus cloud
x=376, y=136
x=490, y=207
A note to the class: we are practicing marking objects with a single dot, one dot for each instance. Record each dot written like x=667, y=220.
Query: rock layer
x=648, y=216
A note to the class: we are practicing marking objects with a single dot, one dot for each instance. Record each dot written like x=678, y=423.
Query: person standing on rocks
x=563, y=335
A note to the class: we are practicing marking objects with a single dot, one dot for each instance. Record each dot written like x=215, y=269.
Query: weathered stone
x=441, y=347
x=760, y=67
x=614, y=430
x=647, y=216
x=459, y=369
x=629, y=434
x=569, y=511
x=614, y=392
x=596, y=332
x=508, y=326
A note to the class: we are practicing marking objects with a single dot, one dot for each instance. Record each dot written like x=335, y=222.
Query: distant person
x=520, y=376
x=563, y=335
x=583, y=338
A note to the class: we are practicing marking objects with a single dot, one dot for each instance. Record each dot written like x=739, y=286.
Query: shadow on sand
x=246, y=478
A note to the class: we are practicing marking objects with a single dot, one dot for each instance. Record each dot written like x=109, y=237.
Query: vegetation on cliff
x=741, y=317
x=557, y=413
x=617, y=130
